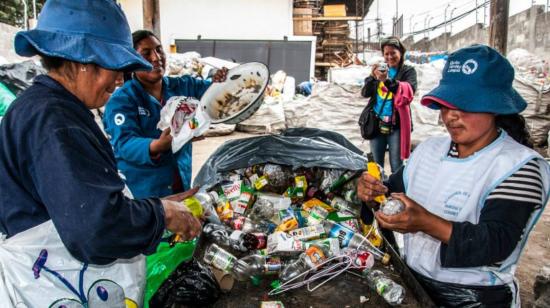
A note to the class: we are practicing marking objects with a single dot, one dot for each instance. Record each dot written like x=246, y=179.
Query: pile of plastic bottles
x=283, y=223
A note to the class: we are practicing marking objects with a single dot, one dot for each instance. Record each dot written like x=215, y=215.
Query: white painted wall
x=225, y=19
x=133, y=9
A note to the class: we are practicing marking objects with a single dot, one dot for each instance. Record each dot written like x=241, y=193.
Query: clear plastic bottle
x=255, y=264
x=310, y=259
x=219, y=258
x=208, y=201
x=391, y=291
x=246, y=224
x=351, y=239
x=236, y=240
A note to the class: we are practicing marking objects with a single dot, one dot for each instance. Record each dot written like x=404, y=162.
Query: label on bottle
x=352, y=224
x=308, y=233
x=282, y=243
x=315, y=256
x=238, y=223
x=343, y=234
x=232, y=191
x=244, y=200
x=316, y=215
x=332, y=244
x=262, y=240
x=272, y=265
x=381, y=286
x=223, y=260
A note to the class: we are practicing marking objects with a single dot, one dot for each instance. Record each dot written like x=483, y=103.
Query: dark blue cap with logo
x=476, y=79
x=84, y=31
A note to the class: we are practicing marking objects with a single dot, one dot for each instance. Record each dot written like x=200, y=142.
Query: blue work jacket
x=130, y=119
x=55, y=163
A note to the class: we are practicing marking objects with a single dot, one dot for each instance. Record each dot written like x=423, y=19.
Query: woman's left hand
x=412, y=219
x=220, y=75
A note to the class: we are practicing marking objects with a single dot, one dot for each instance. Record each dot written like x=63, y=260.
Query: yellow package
x=313, y=202
x=373, y=233
x=374, y=170
x=261, y=182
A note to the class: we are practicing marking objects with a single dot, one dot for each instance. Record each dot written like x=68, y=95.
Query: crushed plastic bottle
x=236, y=240
x=391, y=291
x=392, y=206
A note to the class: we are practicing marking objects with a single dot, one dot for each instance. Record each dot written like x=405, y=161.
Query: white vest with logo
x=456, y=189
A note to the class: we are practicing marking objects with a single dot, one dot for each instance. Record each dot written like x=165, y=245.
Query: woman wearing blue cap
x=143, y=152
x=71, y=238
x=471, y=198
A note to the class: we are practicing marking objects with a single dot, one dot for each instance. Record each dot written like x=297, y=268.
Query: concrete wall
x=529, y=30
x=225, y=19
x=133, y=9
x=7, y=33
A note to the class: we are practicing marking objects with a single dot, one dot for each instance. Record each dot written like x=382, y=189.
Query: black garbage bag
x=191, y=284
x=19, y=76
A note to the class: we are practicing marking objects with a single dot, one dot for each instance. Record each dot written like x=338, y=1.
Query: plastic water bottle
x=219, y=258
x=208, y=201
x=255, y=264
x=391, y=291
x=310, y=259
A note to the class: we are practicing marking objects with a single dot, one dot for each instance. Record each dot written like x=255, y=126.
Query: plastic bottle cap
x=256, y=280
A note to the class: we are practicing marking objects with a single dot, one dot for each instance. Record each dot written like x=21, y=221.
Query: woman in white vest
x=70, y=236
x=472, y=197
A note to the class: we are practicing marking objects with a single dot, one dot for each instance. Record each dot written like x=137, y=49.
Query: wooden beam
x=498, y=29
x=151, y=16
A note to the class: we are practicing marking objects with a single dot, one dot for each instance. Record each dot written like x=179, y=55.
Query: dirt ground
x=536, y=254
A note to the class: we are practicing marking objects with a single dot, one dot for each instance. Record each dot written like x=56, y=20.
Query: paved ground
x=536, y=254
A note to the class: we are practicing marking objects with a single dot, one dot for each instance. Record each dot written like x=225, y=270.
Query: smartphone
x=382, y=67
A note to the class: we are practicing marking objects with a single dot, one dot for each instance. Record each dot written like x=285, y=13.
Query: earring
x=83, y=68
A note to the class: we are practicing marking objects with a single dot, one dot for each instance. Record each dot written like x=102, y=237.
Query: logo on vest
x=119, y=119
x=455, y=202
x=469, y=67
x=144, y=111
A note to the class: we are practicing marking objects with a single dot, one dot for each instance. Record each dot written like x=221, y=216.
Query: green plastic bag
x=6, y=97
x=163, y=262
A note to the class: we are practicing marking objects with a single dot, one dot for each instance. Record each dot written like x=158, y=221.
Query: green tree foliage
x=11, y=11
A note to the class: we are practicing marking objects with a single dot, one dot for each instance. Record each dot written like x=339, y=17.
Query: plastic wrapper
x=304, y=147
x=191, y=284
x=17, y=77
x=184, y=118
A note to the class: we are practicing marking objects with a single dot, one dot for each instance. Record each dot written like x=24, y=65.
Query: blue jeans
x=380, y=143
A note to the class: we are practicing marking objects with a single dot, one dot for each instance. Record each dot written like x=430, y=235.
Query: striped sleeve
x=525, y=185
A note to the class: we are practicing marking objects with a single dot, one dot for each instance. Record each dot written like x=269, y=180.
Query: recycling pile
x=287, y=224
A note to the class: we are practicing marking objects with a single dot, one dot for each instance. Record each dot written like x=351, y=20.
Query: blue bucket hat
x=84, y=31
x=476, y=79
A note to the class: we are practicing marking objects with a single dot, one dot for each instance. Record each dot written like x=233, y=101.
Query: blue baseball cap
x=476, y=79
x=84, y=31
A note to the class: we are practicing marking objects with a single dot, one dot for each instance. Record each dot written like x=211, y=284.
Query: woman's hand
x=415, y=218
x=378, y=75
x=220, y=75
x=369, y=187
x=179, y=220
x=162, y=144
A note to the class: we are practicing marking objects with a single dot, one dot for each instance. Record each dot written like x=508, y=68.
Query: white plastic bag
x=184, y=118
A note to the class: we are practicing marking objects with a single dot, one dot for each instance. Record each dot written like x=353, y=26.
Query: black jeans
x=456, y=295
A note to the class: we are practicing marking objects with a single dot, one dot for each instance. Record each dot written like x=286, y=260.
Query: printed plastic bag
x=191, y=284
x=184, y=118
x=163, y=262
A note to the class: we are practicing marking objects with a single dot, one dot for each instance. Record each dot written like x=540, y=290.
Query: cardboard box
x=302, y=21
x=334, y=10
